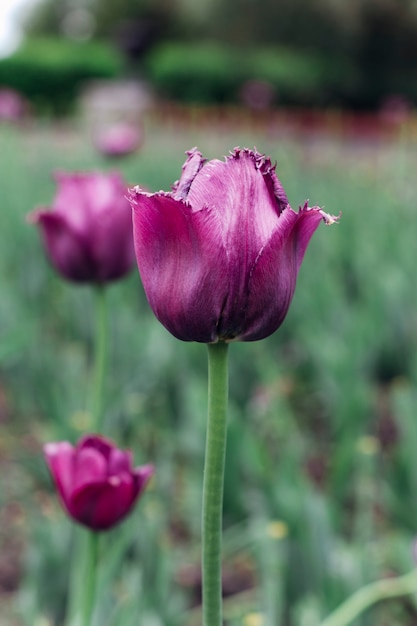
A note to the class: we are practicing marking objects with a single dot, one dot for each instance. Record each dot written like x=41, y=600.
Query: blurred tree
x=372, y=42
x=44, y=18
x=319, y=25
x=132, y=24
x=386, y=49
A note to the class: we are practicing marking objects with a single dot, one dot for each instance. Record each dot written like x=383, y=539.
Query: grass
x=320, y=493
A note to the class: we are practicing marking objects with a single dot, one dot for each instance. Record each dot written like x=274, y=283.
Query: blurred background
x=321, y=482
x=325, y=53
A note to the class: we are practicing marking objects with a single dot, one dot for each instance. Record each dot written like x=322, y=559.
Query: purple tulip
x=95, y=480
x=88, y=233
x=219, y=254
x=13, y=106
x=119, y=140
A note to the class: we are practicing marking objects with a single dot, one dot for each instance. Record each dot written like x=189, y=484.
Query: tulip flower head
x=219, y=255
x=13, y=106
x=119, y=140
x=88, y=233
x=96, y=482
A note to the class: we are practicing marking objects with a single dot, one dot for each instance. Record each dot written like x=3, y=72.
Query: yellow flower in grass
x=277, y=530
x=254, y=619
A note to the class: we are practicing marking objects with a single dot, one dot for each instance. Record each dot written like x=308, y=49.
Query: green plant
x=51, y=71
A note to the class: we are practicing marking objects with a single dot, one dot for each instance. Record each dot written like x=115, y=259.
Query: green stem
x=82, y=582
x=371, y=594
x=100, y=359
x=213, y=484
x=89, y=580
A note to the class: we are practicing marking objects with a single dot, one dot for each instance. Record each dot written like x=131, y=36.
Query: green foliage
x=201, y=73
x=321, y=489
x=48, y=17
x=299, y=77
x=50, y=71
x=215, y=73
x=350, y=53
x=386, y=50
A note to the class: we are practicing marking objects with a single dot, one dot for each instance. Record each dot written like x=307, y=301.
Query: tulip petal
x=65, y=247
x=89, y=466
x=97, y=442
x=183, y=264
x=305, y=227
x=102, y=505
x=236, y=189
x=119, y=461
x=60, y=460
x=80, y=196
x=102, y=191
x=70, y=201
x=273, y=279
x=111, y=245
x=190, y=169
x=142, y=475
x=271, y=180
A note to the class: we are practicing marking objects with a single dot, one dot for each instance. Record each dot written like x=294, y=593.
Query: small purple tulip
x=119, y=140
x=88, y=233
x=95, y=480
x=13, y=107
x=219, y=254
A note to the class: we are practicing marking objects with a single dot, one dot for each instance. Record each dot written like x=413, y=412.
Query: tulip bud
x=119, y=140
x=95, y=480
x=219, y=255
x=88, y=233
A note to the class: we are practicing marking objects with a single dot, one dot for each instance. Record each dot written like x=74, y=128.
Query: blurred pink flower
x=119, y=140
x=257, y=94
x=95, y=480
x=219, y=254
x=395, y=109
x=88, y=233
x=12, y=105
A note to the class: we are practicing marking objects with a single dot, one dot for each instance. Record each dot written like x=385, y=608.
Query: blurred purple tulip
x=119, y=140
x=95, y=480
x=88, y=233
x=13, y=106
x=219, y=254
